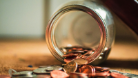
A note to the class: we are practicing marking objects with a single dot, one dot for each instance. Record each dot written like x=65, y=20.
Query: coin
x=44, y=66
x=101, y=74
x=40, y=71
x=59, y=74
x=78, y=75
x=88, y=69
x=43, y=76
x=68, y=59
x=118, y=75
x=23, y=74
x=74, y=48
x=88, y=53
x=80, y=61
x=71, y=67
x=102, y=68
x=77, y=51
x=70, y=54
x=54, y=67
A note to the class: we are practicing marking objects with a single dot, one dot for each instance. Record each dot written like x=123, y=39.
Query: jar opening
x=76, y=27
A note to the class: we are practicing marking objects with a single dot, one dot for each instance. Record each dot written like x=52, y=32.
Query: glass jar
x=85, y=23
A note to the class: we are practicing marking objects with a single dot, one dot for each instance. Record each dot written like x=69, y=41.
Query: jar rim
x=49, y=34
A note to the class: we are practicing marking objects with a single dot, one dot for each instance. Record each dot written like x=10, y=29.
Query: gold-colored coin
x=80, y=61
x=70, y=67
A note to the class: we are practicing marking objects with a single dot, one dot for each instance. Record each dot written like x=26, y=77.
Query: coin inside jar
x=68, y=59
x=70, y=54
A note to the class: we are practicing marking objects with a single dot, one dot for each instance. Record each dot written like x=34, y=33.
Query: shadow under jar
x=84, y=28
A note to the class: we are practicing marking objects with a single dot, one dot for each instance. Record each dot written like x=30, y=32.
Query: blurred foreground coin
x=40, y=71
x=71, y=67
x=78, y=75
x=59, y=74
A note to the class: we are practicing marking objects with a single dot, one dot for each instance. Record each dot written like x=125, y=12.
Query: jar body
x=81, y=23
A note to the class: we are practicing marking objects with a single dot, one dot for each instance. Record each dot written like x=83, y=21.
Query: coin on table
x=87, y=69
x=23, y=73
x=40, y=71
x=102, y=68
x=59, y=74
x=43, y=76
x=70, y=67
x=126, y=74
x=54, y=67
x=130, y=75
x=44, y=66
x=118, y=75
x=78, y=75
x=47, y=69
x=101, y=74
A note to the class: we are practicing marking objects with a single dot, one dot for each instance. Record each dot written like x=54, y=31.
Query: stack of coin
x=76, y=67
x=75, y=52
x=71, y=70
x=76, y=49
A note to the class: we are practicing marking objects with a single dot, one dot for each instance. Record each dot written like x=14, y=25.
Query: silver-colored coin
x=44, y=66
x=130, y=75
x=70, y=67
x=58, y=68
x=43, y=76
x=47, y=69
x=40, y=71
x=126, y=74
x=80, y=61
x=52, y=67
x=77, y=51
x=11, y=71
x=23, y=73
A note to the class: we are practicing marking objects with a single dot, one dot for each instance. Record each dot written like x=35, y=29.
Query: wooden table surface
x=19, y=54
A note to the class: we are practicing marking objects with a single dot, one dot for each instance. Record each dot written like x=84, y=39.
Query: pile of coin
x=70, y=70
x=76, y=67
x=76, y=52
